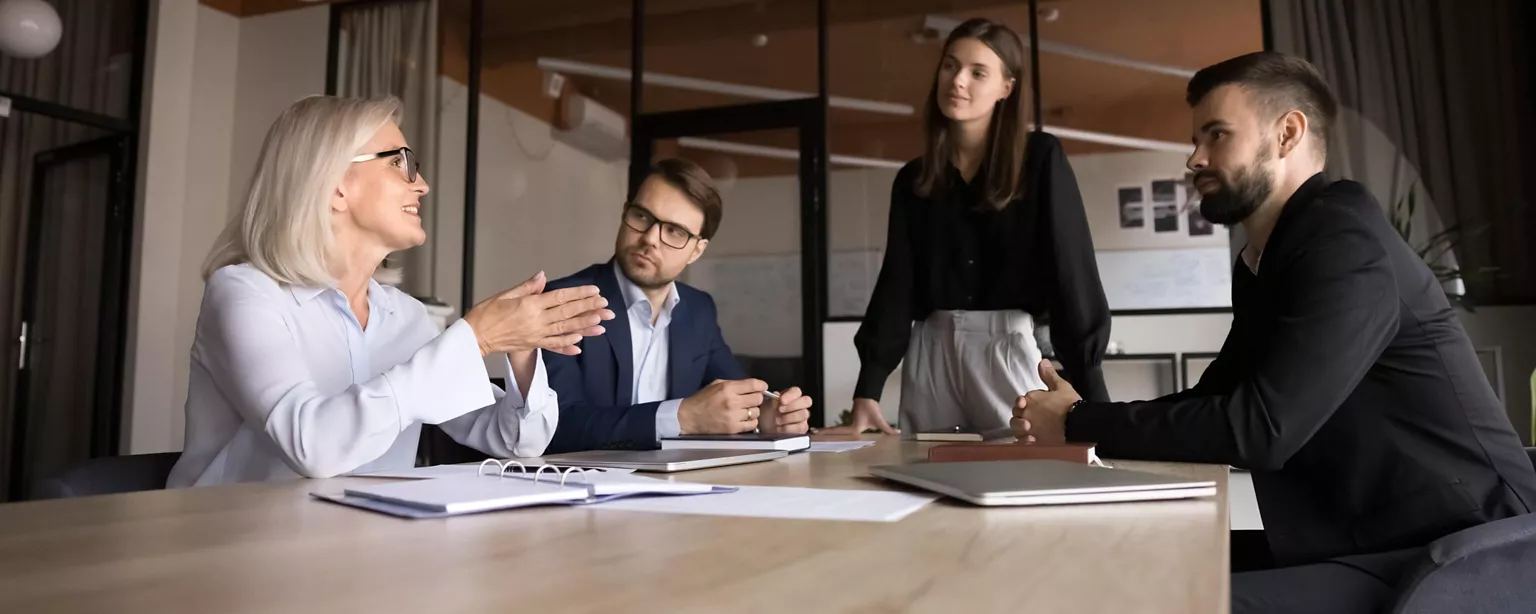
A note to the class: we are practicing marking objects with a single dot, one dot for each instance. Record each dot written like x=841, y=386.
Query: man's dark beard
x=1234, y=202
x=645, y=283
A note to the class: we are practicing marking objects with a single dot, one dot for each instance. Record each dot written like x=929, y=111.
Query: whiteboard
x=1167, y=278
x=851, y=279
x=757, y=299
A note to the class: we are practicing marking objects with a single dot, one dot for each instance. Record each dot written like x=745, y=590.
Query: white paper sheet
x=838, y=446
x=786, y=502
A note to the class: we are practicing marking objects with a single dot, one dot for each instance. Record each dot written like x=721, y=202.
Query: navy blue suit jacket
x=595, y=385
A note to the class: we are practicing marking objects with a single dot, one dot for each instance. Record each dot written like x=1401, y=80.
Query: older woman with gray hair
x=304, y=365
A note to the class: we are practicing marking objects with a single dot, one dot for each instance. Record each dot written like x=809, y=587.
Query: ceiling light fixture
x=571, y=67
x=29, y=29
x=781, y=153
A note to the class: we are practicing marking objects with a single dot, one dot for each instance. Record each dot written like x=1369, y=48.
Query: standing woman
x=987, y=238
x=304, y=365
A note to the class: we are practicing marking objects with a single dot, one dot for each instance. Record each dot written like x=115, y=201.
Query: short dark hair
x=695, y=182
x=1278, y=81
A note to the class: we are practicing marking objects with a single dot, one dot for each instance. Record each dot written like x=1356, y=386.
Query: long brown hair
x=1002, y=168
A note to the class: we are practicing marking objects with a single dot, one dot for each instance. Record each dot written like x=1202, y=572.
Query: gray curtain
x=391, y=49
x=89, y=70
x=1437, y=97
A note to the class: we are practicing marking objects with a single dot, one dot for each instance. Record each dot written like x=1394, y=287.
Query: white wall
x=762, y=213
x=162, y=200
x=209, y=147
x=539, y=204
x=1099, y=177
x=214, y=83
x=840, y=372
x=281, y=59
x=1513, y=330
x=447, y=243
x=859, y=209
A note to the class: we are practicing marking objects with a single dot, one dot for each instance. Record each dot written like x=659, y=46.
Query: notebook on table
x=662, y=461
x=1012, y=449
x=738, y=441
x=1042, y=482
x=964, y=434
x=507, y=488
x=957, y=434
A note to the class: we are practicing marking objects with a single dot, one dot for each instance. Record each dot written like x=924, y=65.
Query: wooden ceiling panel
x=876, y=52
x=1188, y=33
x=880, y=61
x=523, y=36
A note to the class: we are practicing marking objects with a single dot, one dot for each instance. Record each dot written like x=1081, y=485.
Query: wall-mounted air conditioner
x=585, y=124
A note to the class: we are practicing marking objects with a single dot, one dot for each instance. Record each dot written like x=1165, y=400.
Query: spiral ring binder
x=504, y=466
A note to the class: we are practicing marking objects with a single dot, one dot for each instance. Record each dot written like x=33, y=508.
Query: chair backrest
x=1482, y=569
x=109, y=475
x=1532, y=453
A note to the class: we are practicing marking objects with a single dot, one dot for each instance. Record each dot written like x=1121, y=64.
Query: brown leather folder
x=1073, y=452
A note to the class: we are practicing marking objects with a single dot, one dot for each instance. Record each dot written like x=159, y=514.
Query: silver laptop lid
x=995, y=479
x=662, y=460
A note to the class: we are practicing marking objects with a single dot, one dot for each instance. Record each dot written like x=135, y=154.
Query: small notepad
x=469, y=494
x=506, y=486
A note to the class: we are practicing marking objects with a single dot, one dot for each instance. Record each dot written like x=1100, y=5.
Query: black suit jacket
x=595, y=385
x=1349, y=388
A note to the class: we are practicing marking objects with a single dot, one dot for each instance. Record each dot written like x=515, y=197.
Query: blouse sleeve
x=1079, y=312
x=883, y=336
x=518, y=423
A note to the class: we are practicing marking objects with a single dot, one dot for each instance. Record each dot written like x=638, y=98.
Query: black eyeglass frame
x=412, y=165
x=665, y=225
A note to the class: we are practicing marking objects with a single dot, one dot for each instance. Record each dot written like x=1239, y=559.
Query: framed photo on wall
x=1133, y=212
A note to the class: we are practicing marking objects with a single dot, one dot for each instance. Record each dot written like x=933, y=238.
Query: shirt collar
x=1307, y=191
x=376, y=294
x=1250, y=261
x=634, y=294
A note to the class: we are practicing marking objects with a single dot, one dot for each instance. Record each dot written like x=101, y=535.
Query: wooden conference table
x=270, y=548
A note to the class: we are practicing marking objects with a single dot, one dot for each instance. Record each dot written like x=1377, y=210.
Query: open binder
x=507, y=485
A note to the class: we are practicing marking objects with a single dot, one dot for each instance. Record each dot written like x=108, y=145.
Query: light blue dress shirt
x=651, y=352
x=285, y=382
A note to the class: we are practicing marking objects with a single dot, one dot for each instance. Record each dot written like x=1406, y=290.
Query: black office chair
x=1486, y=569
x=109, y=475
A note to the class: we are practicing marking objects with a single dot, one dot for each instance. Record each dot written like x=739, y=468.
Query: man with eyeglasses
x=663, y=369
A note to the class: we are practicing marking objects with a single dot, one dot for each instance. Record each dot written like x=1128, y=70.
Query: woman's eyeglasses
x=407, y=164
